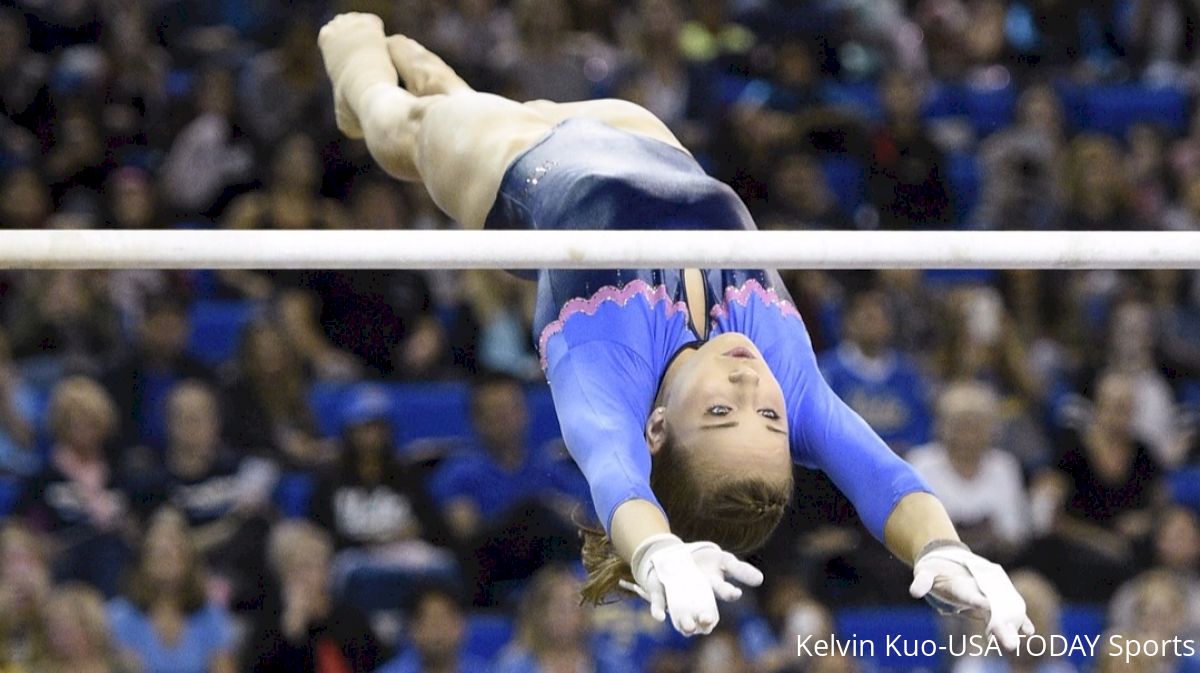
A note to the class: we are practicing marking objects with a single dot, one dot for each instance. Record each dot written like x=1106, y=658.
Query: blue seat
x=945, y=100
x=1114, y=108
x=10, y=495
x=963, y=178
x=217, y=328
x=1082, y=620
x=487, y=634
x=859, y=97
x=847, y=178
x=877, y=624
x=990, y=109
x=1184, y=487
x=430, y=410
x=294, y=493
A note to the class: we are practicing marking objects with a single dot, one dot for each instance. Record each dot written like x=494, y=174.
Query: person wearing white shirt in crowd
x=981, y=485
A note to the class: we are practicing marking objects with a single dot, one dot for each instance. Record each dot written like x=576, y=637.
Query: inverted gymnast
x=683, y=395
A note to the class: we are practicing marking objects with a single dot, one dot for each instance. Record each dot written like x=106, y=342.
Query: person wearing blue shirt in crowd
x=165, y=620
x=437, y=628
x=881, y=384
x=502, y=491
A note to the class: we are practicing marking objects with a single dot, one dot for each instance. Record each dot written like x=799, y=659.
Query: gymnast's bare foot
x=356, y=57
x=424, y=73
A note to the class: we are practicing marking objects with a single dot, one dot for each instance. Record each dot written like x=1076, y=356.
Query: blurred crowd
x=170, y=505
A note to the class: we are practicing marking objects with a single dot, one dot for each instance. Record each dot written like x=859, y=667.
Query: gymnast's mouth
x=740, y=352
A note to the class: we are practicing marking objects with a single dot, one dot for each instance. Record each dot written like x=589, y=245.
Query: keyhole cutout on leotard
x=697, y=302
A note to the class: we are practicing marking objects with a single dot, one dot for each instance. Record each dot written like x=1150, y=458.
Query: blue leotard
x=606, y=337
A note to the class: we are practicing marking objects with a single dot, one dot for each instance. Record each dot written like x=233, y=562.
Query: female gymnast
x=683, y=395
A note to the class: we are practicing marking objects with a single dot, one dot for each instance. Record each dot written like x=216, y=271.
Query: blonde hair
x=143, y=590
x=296, y=538
x=81, y=394
x=737, y=514
x=14, y=534
x=532, y=610
x=967, y=396
x=86, y=606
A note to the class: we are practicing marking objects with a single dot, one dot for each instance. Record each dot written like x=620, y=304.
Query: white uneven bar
x=220, y=249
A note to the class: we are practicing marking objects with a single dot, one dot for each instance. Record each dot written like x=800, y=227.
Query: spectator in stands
x=23, y=95
x=1158, y=40
x=1097, y=499
x=713, y=37
x=140, y=382
x=1160, y=611
x=1097, y=190
x=165, y=620
x=283, y=89
x=980, y=485
x=269, y=394
x=720, y=652
x=477, y=37
x=77, y=162
x=1178, y=319
x=383, y=522
x=1023, y=167
x=63, y=320
x=210, y=154
x=305, y=629
x=906, y=180
x=16, y=432
x=77, y=499
x=557, y=71
x=437, y=628
x=224, y=494
x=660, y=79
x=291, y=199
x=24, y=585
x=501, y=307
x=977, y=339
x=1176, y=551
x=880, y=383
x=799, y=196
x=1044, y=607
x=78, y=634
x=1132, y=340
x=510, y=507
x=26, y=200
x=1146, y=174
x=552, y=631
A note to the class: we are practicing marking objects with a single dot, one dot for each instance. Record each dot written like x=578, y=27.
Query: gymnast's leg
x=456, y=141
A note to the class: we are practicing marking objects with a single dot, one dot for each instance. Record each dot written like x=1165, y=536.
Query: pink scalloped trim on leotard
x=742, y=294
x=621, y=296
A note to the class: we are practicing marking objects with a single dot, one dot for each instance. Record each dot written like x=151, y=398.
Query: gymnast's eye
x=719, y=410
x=769, y=413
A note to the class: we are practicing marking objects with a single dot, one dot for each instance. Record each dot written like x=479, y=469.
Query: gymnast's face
x=722, y=404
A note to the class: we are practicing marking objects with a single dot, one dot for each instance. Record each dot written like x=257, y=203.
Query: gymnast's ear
x=656, y=430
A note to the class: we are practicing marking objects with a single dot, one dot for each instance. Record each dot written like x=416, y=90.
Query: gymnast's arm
x=602, y=396
x=893, y=501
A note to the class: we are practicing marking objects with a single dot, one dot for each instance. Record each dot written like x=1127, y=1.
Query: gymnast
x=684, y=395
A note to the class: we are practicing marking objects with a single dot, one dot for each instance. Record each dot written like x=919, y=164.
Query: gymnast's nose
x=744, y=376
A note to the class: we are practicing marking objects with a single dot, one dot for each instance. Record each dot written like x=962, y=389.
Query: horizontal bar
x=390, y=249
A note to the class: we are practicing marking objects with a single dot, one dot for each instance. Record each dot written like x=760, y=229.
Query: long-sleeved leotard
x=607, y=337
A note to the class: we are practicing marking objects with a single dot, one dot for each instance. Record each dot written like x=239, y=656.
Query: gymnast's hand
x=956, y=581
x=685, y=579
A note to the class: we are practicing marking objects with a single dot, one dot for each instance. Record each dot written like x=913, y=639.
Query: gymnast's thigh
x=621, y=114
x=465, y=144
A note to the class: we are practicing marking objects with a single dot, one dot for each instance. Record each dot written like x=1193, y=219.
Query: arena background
x=330, y=471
